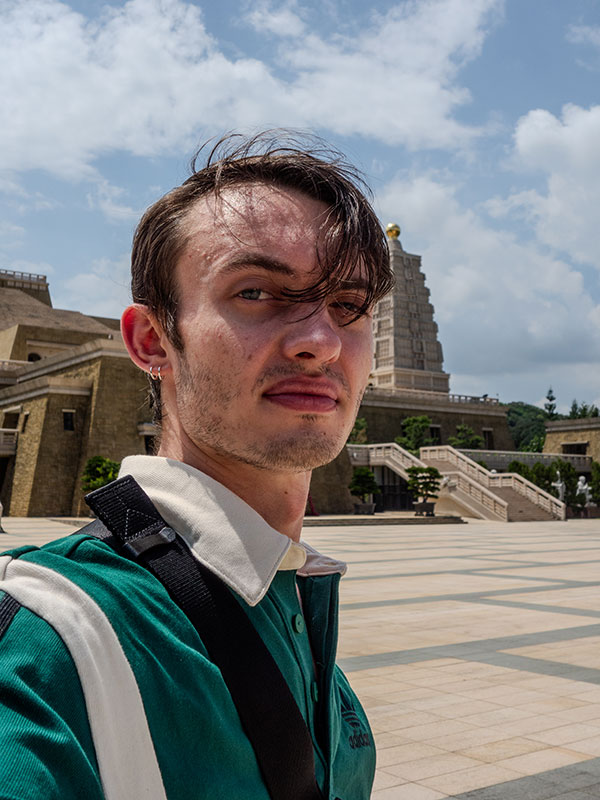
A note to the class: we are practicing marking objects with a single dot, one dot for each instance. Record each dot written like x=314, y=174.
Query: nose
x=312, y=335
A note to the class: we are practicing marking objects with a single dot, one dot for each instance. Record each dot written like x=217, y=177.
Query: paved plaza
x=474, y=649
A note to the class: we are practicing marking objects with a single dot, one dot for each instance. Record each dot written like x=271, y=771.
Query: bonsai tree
x=424, y=482
x=595, y=482
x=415, y=434
x=363, y=484
x=466, y=438
x=98, y=471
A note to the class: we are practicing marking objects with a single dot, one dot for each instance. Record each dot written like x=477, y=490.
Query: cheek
x=361, y=356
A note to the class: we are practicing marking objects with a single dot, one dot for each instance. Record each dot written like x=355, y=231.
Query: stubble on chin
x=203, y=399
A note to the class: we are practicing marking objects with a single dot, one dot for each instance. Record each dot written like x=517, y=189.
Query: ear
x=143, y=337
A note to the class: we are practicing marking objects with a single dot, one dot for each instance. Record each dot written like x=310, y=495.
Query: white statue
x=559, y=485
x=584, y=489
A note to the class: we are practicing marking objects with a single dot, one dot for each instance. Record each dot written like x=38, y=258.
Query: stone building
x=575, y=437
x=408, y=377
x=68, y=391
x=408, y=355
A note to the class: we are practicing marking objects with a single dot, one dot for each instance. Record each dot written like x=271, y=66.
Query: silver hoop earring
x=159, y=376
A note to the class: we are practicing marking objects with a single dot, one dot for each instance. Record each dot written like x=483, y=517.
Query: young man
x=252, y=284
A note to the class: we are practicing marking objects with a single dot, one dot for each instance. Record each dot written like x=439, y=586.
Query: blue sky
x=477, y=123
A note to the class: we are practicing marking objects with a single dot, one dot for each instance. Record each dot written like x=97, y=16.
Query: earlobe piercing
x=158, y=376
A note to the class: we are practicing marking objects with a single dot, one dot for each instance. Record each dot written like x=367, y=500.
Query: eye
x=254, y=294
x=350, y=309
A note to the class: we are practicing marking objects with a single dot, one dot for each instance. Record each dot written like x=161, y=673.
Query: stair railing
x=500, y=480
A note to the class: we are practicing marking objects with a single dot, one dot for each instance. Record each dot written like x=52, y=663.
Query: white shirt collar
x=224, y=532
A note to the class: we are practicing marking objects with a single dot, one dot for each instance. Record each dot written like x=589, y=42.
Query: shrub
x=424, y=482
x=363, y=483
x=98, y=471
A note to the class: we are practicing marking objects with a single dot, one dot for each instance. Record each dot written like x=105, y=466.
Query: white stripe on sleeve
x=124, y=748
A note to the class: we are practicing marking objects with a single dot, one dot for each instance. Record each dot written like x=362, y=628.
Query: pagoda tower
x=408, y=355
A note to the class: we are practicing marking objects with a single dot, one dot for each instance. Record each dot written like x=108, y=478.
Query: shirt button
x=298, y=623
x=314, y=691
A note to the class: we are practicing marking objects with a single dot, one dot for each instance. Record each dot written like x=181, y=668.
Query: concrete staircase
x=523, y=500
x=467, y=488
x=520, y=509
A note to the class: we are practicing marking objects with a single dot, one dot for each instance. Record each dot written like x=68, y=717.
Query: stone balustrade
x=8, y=441
x=500, y=459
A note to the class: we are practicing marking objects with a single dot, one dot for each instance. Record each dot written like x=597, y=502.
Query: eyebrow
x=248, y=260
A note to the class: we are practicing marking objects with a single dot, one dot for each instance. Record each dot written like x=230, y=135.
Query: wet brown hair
x=352, y=234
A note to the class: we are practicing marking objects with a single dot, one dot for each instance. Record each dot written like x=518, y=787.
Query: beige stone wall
x=555, y=440
x=385, y=423
x=118, y=404
x=19, y=498
x=20, y=348
x=58, y=455
x=7, y=342
x=45, y=478
x=329, y=486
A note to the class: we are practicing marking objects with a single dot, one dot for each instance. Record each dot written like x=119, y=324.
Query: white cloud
x=11, y=235
x=147, y=78
x=504, y=307
x=566, y=151
x=105, y=197
x=103, y=290
x=584, y=34
x=282, y=21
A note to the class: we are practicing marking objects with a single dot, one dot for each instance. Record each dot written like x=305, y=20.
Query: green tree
x=582, y=410
x=415, y=434
x=543, y=476
x=358, y=434
x=595, y=482
x=98, y=471
x=424, y=482
x=550, y=405
x=363, y=483
x=534, y=445
x=524, y=470
x=526, y=422
x=466, y=438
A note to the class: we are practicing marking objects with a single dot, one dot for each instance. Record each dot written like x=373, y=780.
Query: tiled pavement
x=474, y=649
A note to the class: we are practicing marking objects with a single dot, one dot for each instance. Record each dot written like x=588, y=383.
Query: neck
x=279, y=497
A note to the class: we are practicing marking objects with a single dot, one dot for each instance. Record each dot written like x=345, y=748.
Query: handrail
x=464, y=463
x=29, y=277
x=507, y=456
x=11, y=363
x=507, y=480
x=431, y=394
x=369, y=453
x=396, y=457
x=497, y=505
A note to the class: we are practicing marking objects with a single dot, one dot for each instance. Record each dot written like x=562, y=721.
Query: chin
x=299, y=453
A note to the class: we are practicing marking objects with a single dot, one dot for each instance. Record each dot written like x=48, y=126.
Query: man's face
x=263, y=380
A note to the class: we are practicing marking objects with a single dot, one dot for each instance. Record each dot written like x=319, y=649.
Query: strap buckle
x=141, y=544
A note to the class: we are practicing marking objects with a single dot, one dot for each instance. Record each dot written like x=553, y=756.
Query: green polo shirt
x=106, y=690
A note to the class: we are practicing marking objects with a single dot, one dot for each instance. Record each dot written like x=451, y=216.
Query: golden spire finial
x=392, y=230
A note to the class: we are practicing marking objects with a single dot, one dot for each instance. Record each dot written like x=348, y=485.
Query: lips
x=311, y=396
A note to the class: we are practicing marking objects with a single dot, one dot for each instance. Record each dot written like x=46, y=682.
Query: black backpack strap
x=268, y=711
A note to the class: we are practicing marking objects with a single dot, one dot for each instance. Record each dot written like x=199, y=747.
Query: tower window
x=68, y=419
